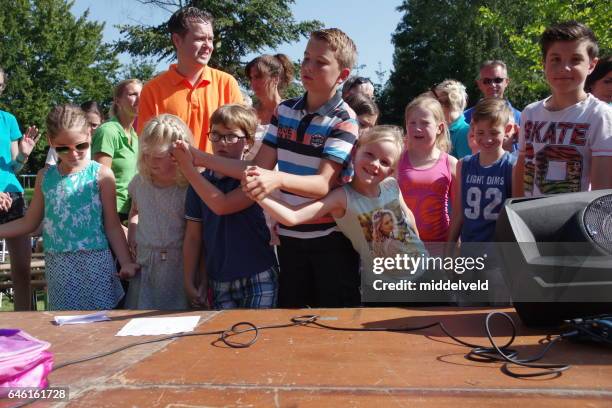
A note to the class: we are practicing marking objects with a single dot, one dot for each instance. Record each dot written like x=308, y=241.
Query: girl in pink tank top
x=426, y=172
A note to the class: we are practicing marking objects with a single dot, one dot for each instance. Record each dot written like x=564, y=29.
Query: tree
x=241, y=28
x=51, y=57
x=435, y=40
x=441, y=39
x=142, y=69
x=523, y=38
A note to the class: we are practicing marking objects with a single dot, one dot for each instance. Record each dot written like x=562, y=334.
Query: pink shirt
x=426, y=193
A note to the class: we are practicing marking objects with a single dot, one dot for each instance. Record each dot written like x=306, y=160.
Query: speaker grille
x=598, y=222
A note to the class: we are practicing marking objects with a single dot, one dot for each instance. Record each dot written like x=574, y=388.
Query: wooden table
x=311, y=367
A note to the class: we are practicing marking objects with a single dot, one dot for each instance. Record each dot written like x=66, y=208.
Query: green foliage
x=522, y=23
x=435, y=40
x=50, y=57
x=241, y=28
x=140, y=69
x=441, y=39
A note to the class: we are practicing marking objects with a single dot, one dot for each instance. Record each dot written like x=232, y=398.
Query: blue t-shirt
x=483, y=192
x=9, y=132
x=459, y=130
x=235, y=245
x=467, y=114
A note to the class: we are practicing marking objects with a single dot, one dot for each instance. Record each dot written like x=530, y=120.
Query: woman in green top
x=115, y=143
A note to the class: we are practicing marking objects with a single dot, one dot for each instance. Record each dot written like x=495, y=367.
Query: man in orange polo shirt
x=190, y=89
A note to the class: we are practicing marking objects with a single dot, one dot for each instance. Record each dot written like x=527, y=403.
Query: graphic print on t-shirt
x=554, y=157
x=387, y=232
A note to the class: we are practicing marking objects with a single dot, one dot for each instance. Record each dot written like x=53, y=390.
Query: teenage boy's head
x=493, y=79
x=191, y=31
x=328, y=59
x=569, y=52
x=493, y=123
x=232, y=130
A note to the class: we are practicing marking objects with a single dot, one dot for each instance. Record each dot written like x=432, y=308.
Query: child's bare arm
x=33, y=217
x=262, y=182
x=192, y=252
x=601, y=172
x=518, y=175
x=219, y=202
x=112, y=225
x=456, y=223
x=132, y=226
x=334, y=204
x=266, y=158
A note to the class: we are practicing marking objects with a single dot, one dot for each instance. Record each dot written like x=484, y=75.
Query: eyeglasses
x=229, y=138
x=81, y=147
x=496, y=80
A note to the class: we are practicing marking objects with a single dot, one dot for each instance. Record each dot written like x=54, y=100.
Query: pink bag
x=24, y=361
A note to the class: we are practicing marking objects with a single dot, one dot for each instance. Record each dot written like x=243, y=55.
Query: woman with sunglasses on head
x=357, y=84
x=75, y=200
x=14, y=152
x=115, y=143
x=269, y=75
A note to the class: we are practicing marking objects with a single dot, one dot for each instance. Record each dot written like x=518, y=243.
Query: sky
x=369, y=23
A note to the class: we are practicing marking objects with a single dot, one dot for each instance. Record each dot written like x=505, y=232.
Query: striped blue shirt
x=302, y=140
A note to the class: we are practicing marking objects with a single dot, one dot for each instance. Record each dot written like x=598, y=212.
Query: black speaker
x=557, y=255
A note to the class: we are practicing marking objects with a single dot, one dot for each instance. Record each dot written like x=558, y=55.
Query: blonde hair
x=343, y=47
x=66, y=117
x=235, y=115
x=118, y=91
x=431, y=104
x=377, y=221
x=495, y=110
x=381, y=133
x=157, y=137
x=451, y=93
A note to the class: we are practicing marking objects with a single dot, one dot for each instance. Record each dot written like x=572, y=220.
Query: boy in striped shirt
x=311, y=138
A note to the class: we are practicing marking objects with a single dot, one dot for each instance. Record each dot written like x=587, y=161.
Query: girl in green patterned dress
x=75, y=200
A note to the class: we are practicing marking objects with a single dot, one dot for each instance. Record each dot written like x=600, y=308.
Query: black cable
x=478, y=353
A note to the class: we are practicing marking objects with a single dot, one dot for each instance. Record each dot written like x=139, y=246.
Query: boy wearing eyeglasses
x=225, y=227
x=492, y=82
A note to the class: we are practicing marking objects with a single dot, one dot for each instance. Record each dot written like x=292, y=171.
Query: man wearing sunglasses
x=492, y=82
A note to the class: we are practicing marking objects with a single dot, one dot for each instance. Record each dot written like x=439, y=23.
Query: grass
x=8, y=306
x=28, y=193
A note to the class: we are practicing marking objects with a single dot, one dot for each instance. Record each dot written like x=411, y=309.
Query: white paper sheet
x=80, y=319
x=153, y=326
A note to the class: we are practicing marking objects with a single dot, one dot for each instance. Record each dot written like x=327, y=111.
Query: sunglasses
x=230, y=138
x=496, y=80
x=81, y=147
